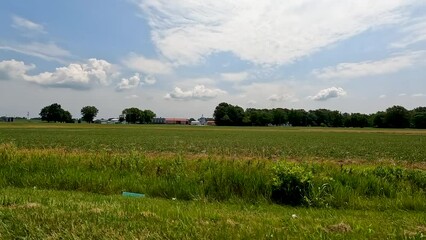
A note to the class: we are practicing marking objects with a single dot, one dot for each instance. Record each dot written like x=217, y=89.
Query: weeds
x=212, y=178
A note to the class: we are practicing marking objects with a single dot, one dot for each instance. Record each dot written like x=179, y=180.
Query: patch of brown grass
x=339, y=228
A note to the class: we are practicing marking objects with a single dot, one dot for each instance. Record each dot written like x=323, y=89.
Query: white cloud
x=370, y=68
x=268, y=94
x=414, y=31
x=402, y=95
x=12, y=69
x=149, y=79
x=47, y=51
x=328, y=93
x=418, y=95
x=135, y=81
x=27, y=25
x=382, y=96
x=146, y=65
x=235, y=76
x=199, y=92
x=282, y=98
x=129, y=83
x=262, y=32
x=77, y=75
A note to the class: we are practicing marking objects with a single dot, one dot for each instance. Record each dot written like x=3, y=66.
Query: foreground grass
x=44, y=214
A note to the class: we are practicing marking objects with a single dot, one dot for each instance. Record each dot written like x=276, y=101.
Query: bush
x=291, y=184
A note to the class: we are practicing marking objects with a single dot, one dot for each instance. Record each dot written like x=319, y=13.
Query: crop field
x=65, y=181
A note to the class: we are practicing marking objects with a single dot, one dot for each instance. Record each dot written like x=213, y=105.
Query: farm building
x=180, y=121
x=159, y=120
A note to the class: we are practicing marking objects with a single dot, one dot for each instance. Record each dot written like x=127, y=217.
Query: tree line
x=55, y=113
x=394, y=117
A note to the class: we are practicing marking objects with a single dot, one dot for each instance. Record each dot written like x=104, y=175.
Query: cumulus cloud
x=282, y=98
x=129, y=83
x=47, y=51
x=262, y=32
x=414, y=31
x=199, y=92
x=77, y=75
x=27, y=25
x=135, y=81
x=12, y=69
x=146, y=65
x=369, y=68
x=234, y=76
x=328, y=93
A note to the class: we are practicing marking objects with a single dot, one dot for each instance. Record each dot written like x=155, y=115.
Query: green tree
x=148, y=115
x=379, y=120
x=89, y=113
x=133, y=115
x=228, y=115
x=55, y=113
x=418, y=119
x=397, y=117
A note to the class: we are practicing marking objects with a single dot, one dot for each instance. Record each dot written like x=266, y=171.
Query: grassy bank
x=216, y=179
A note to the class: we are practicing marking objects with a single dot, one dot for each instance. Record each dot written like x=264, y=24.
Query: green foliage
x=397, y=117
x=135, y=115
x=291, y=183
x=55, y=113
x=228, y=115
x=89, y=113
x=394, y=117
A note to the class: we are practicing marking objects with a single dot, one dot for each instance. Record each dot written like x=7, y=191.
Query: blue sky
x=182, y=58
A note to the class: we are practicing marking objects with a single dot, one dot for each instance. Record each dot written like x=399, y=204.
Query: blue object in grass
x=132, y=194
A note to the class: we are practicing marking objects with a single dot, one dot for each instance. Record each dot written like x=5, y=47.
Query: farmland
x=210, y=182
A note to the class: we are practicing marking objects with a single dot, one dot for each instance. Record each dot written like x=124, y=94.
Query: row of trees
x=55, y=113
x=394, y=117
x=135, y=115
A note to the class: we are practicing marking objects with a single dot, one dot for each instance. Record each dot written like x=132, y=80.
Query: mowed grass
x=65, y=181
x=239, y=142
x=42, y=214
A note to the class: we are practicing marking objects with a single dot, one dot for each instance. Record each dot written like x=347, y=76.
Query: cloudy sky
x=181, y=58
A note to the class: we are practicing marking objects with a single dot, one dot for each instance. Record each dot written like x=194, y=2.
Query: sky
x=182, y=58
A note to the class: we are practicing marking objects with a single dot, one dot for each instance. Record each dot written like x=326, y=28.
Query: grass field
x=65, y=181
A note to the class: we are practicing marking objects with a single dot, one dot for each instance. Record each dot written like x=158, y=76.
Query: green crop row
x=272, y=143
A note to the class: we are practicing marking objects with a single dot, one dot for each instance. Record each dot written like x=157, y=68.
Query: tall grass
x=212, y=178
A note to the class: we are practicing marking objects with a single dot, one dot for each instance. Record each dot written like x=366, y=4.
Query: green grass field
x=65, y=181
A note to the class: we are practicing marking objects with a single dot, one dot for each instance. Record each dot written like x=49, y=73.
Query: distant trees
x=228, y=115
x=394, y=117
x=89, y=113
x=418, y=117
x=55, y=113
x=397, y=117
x=135, y=115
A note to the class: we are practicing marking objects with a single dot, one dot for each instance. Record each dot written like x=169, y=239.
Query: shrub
x=291, y=184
